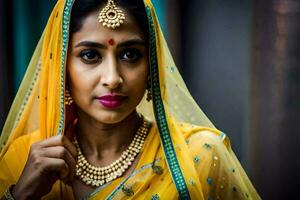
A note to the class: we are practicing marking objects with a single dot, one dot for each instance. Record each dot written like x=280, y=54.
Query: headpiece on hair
x=111, y=16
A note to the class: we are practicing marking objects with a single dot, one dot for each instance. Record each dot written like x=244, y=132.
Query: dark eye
x=130, y=55
x=90, y=56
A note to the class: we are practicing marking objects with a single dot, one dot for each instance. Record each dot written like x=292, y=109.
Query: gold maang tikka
x=111, y=16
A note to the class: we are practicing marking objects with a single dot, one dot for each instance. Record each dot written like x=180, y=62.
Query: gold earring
x=111, y=16
x=68, y=98
x=149, y=94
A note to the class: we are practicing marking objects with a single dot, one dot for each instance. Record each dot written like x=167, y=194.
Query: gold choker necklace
x=97, y=176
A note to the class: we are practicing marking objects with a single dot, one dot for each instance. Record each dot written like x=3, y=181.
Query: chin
x=106, y=116
x=111, y=117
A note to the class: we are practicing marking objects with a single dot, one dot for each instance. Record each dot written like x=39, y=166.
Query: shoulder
x=197, y=135
x=205, y=142
x=209, y=137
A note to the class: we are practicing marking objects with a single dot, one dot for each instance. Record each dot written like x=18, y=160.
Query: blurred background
x=239, y=58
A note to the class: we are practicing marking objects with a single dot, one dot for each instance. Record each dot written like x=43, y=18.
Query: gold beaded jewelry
x=149, y=93
x=97, y=176
x=68, y=98
x=111, y=16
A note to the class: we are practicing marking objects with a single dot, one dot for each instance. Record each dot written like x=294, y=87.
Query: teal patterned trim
x=24, y=102
x=65, y=41
x=161, y=120
x=28, y=93
x=113, y=194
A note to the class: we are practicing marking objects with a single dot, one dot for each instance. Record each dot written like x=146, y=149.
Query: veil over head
x=40, y=101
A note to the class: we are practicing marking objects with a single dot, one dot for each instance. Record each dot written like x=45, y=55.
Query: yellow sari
x=184, y=156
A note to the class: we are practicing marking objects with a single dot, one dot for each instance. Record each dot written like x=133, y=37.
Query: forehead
x=93, y=30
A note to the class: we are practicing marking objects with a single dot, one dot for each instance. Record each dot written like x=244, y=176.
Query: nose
x=111, y=78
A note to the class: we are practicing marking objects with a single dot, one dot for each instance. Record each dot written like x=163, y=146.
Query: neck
x=106, y=140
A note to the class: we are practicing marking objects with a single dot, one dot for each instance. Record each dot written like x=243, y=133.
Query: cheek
x=79, y=80
x=137, y=80
x=73, y=73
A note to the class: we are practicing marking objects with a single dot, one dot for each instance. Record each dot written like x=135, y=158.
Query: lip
x=111, y=100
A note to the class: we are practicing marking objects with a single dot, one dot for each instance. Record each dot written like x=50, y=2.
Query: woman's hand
x=48, y=161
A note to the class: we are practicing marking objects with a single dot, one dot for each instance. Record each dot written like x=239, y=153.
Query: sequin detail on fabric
x=120, y=186
x=197, y=159
x=155, y=197
x=127, y=191
x=209, y=181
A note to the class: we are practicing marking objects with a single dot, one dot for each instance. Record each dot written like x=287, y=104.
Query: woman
x=102, y=113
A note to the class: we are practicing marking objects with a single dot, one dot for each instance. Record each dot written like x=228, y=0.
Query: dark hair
x=82, y=8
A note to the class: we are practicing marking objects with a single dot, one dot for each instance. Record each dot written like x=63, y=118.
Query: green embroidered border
x=65, y=41
x=24, y=102
x=115, y=191
x=28, y=93
x=160, y=116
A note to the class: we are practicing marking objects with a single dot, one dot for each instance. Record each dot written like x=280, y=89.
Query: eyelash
x=90, y=56
x=137, y=55
x=83, y=55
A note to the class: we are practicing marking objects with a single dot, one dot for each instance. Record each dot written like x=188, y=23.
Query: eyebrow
x=127, y=43
x=90, y=44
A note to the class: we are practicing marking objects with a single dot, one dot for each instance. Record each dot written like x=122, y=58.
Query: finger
x=71, y=129
x=57, y=165
x=60, y=140
x=61, y=153
x=52, y=141
x=70, y=146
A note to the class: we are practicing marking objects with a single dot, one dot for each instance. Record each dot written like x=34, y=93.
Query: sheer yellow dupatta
x=174, y=110
x=39, y=103
x=172, y=102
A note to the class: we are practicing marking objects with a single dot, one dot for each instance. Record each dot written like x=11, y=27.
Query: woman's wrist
x=18, y=194
x=8, y=193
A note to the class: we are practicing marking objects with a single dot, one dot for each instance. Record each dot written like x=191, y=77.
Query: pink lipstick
x=111, y=100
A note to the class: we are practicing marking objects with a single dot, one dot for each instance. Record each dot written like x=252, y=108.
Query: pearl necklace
x=97, y=176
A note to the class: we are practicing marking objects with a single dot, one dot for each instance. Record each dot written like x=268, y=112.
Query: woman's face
x=107, y=69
